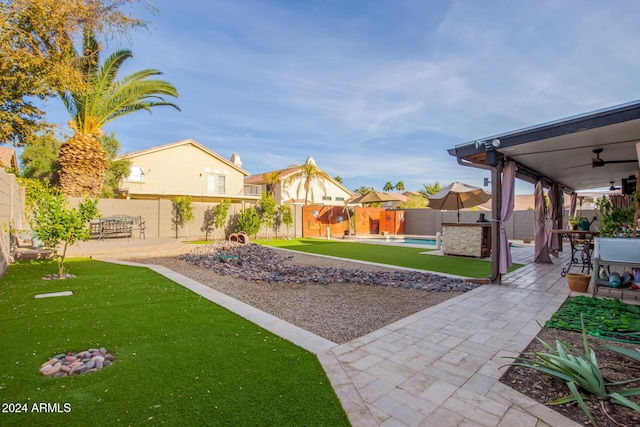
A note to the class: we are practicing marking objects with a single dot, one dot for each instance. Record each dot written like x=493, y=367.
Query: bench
x=116, y=225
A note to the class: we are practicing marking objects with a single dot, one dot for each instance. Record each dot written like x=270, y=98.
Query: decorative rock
x=57, y=276
x=83, y=362
x=50, y=370
x=50, y=362
x=262, y=264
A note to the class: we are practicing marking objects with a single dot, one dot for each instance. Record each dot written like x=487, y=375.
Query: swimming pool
x=405, y=240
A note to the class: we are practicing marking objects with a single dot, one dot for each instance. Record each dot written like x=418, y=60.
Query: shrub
x=53, y=220
x=249, y=221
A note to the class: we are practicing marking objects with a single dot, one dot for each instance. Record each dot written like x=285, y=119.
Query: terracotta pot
x=578, y=282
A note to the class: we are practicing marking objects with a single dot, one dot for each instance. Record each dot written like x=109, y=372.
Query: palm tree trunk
x=83, y=163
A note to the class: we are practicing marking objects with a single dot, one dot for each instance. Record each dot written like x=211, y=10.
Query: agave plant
x=580, y=372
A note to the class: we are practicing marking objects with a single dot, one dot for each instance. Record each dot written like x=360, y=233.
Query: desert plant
x=54, y=221
x=579, y=371
x=248, y=221
x=630, y=353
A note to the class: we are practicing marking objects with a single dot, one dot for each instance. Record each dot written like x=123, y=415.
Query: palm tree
x=272, y=179
x=388, y=186
x=82, y=159
x=363, y=190
x=428, y=189
x=310, y=174
x=400, y=186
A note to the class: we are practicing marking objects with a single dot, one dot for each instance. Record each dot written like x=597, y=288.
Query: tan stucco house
x=184, y=168
x=287, y=186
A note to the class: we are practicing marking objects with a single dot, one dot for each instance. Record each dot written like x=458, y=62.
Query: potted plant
x=573, y=222
x=616, y=228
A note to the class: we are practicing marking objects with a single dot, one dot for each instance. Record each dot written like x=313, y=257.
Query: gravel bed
x=335, y=299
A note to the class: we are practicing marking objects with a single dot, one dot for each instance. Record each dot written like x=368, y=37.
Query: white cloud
x=378, y=91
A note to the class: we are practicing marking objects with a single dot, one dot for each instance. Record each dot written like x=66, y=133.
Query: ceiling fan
x=598, y=162
x=613, y=187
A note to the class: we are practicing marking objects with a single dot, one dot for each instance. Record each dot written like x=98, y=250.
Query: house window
x=339, y=199
x=216, y=184
x=222, y=184
x=136, y=174
x=326, y=198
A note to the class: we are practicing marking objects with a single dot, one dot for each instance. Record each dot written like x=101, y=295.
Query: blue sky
x=375, y=91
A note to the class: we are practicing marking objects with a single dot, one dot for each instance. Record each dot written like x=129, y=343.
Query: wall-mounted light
x=488, y=145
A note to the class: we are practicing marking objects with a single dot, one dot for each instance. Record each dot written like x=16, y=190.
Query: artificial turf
x=386, y=254
x=179, y=358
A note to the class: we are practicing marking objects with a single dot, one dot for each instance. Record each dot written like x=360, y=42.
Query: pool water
x=410, y=240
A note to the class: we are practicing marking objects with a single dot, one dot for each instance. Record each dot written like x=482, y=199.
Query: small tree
x=208, y=223
x=249, y=221
x=286, y=216
x=221, y=213
x=53, y=220
x=268, y=210
x=182, y=211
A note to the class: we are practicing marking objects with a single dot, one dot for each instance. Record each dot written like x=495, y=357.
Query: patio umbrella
x=375, y=197
x=457, y=196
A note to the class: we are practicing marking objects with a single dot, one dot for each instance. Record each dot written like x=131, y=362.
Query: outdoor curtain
x=574, y=203
x=621, y=201
x=508, y=184
x=555, y=214
x=541, y=249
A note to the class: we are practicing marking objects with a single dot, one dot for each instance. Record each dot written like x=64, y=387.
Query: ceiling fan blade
x=596, y=163
x=579, y=166
x=618, y=161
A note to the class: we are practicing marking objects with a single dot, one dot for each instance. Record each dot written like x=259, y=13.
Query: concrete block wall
x=157, y=215
x=11, y=214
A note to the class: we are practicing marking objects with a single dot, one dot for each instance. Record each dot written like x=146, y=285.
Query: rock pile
x=257, y=263
x=56, y=276
x=76, y=364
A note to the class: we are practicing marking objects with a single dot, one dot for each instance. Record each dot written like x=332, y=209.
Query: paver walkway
x=439, y=367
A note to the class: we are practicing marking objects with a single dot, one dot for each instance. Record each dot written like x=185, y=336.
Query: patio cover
x=559, y=152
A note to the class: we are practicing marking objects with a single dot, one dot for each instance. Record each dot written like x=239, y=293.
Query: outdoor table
x=581, y=242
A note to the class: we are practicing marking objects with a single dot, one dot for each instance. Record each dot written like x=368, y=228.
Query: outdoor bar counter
x=467, y=239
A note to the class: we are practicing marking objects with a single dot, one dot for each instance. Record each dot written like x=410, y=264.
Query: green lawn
x=179, y=359
x=387, y=254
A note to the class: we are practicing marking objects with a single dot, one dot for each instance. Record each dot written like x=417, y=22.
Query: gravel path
x=334, y=299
